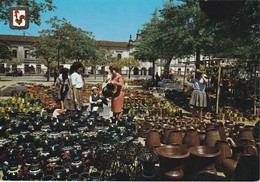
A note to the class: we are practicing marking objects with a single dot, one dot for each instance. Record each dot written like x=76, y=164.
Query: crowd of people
x=71, y=84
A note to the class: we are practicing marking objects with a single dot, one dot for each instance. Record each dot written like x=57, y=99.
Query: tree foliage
x=183, y=29
x=35, y=8
x=128, y=62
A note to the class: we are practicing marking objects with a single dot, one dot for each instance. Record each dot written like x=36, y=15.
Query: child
x=96, y=104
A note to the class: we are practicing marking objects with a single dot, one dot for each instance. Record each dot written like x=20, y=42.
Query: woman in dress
x=198, y=99
x=77, y=84
x=117, y=99
x=65, y=94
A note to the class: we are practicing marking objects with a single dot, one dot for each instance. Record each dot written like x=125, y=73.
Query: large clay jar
x=166, y=132
x=175, y=137
x=191, y=137
x=172, y=159
x=226, y=152
x=221, y=131
x=245, y=134
x=211, y=137
x=202, y=135
x=202, y=159
x=153, y=138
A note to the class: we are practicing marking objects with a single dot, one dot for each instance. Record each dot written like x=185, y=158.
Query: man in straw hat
x=198, y=99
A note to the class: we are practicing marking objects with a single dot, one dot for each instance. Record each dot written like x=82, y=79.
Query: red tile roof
x=32, y=39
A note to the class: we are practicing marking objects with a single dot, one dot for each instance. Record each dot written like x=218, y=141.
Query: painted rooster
x=18, y=19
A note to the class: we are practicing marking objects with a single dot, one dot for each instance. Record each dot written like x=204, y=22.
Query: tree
x=35, y=8
x=43, y=50
x=67, y=43
x=146, y=46
x=5, y=52
x=130, y=63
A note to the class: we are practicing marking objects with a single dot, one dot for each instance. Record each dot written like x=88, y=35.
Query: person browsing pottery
x=198, y=99
x=77, y=84
x=65, y=95
x=117, y=99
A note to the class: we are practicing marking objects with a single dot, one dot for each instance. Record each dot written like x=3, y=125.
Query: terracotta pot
x=153, y=138
x=166, y=132
x=239, y=126
x=191, y=137
x=202, y=159
x=226, y=152
x=211, y=137
x=175, y=136
x=222, y=132
x=228, y=167
x=172, y=160
x=245, y=134
x=202, y=135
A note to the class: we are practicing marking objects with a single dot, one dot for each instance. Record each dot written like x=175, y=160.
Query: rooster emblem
x=18, y=19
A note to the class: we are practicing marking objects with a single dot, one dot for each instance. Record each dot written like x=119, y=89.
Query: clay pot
x=148, y=161
x=166, y=132
x=239, y=126
x=74, y=177
x=211, y=137
x=153, y=138
x=172, y=160
x=203, y=159
x=191, y=137
x=226, y=152
x=202, y=135
x=95, y=176
x=228, y=167
x=221, y=131
x=175, y=136
x=245, y=134
x=59, y=173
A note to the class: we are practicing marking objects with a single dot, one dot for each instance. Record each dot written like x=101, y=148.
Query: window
x=14, y=53
x=26, y=54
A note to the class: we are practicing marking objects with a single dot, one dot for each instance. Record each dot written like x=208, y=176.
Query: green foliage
x=35, y=8
x=5, y=52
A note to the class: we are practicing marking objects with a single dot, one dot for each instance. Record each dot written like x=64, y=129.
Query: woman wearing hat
x=117, y=99
x=198, y=99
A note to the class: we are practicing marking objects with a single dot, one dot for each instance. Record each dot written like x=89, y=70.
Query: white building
x=20, y=46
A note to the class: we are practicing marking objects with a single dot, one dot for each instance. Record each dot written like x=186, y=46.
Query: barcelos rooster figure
x=19, y=17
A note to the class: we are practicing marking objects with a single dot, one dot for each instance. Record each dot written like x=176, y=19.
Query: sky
x=111, y=20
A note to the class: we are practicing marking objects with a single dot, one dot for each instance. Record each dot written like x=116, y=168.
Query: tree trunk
x=129, y=72
x=197, y=64
x=167, y=68
x=153, y=73
x=48, y=72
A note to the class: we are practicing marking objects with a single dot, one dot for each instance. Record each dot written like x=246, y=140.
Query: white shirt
x=76, y=80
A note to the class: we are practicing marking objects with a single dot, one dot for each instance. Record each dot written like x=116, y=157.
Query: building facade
x=20, y=46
